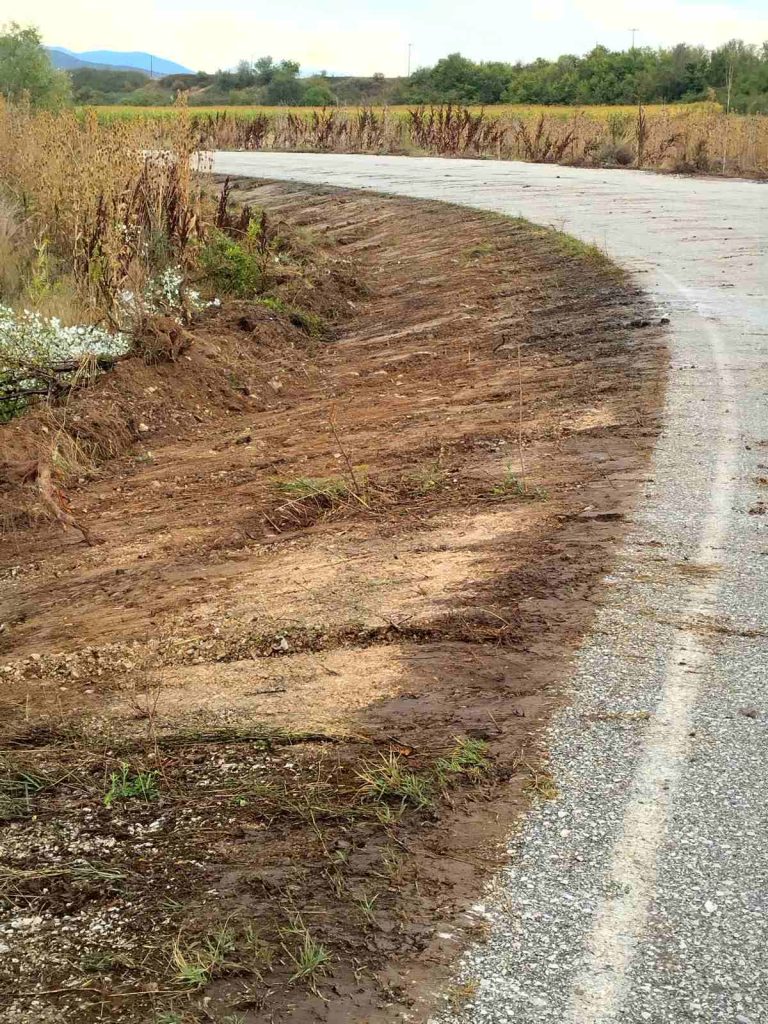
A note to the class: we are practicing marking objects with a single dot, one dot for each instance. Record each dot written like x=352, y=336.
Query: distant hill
x=67, y=60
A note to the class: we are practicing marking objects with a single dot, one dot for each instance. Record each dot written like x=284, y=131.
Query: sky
x=366, y=36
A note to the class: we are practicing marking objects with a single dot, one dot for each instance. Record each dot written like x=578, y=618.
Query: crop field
x=687, y=138
x=524, y=110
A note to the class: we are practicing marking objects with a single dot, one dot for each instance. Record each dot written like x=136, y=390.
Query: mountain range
x=68, y=60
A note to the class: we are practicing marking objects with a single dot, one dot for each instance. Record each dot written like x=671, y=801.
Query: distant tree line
x=735, y=73
x=679, y=74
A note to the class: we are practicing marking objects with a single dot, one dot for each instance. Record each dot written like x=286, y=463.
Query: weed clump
x=229, y=267
x=127, y=784
x=513, y=486
x=389, y=779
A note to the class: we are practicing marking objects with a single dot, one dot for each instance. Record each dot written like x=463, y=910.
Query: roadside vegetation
x=689, y=139
x=103, y=245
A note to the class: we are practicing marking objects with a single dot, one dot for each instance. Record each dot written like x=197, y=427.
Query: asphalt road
x=640, y=894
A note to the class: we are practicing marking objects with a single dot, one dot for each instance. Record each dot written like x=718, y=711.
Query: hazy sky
x=364, y=36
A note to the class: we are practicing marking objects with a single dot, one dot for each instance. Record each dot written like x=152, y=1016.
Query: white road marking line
x=601, y=985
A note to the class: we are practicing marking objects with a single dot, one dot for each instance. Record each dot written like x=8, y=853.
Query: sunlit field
x=496, y=111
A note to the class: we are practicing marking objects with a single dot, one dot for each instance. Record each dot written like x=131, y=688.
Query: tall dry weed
x=105, y=203
x=698, y=137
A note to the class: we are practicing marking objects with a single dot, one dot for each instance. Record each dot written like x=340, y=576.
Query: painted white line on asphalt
x=601, y=984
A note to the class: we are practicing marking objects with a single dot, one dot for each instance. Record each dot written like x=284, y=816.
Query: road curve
x=641, y=892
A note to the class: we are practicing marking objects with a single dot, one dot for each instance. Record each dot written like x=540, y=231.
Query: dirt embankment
x=266, y=737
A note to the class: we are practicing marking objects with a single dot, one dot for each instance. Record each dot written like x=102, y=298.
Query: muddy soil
x=265, y=739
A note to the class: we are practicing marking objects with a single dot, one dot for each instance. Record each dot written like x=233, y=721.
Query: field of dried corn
x=688, y=138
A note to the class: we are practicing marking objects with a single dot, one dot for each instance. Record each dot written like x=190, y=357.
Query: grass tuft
x=469, y=758
x=310, y=957
x=198, y=963
x=129, y=785
x=334, y=488
x=513, y=486
x=388, y=779
x=426, y=479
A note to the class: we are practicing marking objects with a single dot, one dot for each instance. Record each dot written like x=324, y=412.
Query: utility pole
x=410, y=47
x=633, y=31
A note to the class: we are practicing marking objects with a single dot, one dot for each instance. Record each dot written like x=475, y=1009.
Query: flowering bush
x=39, y=355
x=166, y=294
x=28, y=338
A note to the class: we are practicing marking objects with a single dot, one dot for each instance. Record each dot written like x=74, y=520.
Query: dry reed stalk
x=103, y=200
x=687, y=138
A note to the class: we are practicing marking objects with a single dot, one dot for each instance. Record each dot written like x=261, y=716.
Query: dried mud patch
x=263, y=744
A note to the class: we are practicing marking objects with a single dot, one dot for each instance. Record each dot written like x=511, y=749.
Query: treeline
x=736, y=74
x=261, y=82
x=735, y=71
x=680, y=74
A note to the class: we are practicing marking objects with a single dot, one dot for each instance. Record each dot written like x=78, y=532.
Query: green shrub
x=230, y=267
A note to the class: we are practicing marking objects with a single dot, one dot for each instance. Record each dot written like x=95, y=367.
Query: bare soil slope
x=278, y=660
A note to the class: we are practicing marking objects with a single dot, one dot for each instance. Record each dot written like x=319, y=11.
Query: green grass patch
x=312, y=324
x=127, y=784
x=272, y=303
x=468, y=759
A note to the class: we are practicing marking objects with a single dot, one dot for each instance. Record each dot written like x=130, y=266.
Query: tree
x=285, y=90
x=318, y=95
x=26, y=71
